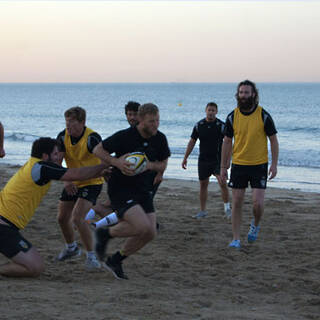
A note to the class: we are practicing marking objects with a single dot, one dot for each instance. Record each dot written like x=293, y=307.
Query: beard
x=245, y=104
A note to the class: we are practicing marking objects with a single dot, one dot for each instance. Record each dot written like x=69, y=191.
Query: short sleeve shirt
x=129, y=140
x=211, y=136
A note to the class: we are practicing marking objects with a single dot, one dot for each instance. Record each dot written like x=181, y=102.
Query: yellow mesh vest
x=21, y=196
x=77, y=156
x=250, y=140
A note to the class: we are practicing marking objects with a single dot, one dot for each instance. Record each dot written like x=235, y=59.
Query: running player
x=132, y=195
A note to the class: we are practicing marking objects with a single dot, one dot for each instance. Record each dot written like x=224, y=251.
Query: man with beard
x=132, y=195
x=20, y=198
x=210, y=133
x=248, y=126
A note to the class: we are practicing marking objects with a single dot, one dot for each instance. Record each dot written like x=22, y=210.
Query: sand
x=187, y=272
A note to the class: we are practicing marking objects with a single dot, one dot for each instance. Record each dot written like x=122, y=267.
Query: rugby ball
x=138, y=161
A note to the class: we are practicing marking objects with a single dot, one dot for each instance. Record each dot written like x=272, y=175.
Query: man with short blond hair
x=76, y=144
x=132, y=195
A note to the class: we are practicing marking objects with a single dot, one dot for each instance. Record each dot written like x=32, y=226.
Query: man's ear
x=45, y=157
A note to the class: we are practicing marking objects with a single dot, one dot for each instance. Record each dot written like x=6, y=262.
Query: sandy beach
x=188, y=271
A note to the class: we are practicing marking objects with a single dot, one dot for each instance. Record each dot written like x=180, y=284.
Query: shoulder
x=61, y=134
x=230, y=116
x=219, y=122
x=201, y=122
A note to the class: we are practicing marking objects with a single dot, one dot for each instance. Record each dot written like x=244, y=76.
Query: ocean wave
x=20, y=136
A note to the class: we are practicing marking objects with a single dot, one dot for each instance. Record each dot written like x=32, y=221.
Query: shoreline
x=290, y=184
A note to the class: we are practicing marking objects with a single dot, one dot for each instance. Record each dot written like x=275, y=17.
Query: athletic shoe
x=68, y=254
x=235, y=244
x=253, y=232
x=115, y=268
x=92, y=263
x=228, y=213
x=200, y=214
x=102, y=238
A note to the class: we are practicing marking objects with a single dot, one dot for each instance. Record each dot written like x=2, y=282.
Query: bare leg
x=258, y=204
x=138, y=226
x=64, y=220
x=237, y=201
x=203, y=195
x=224, y=190
x=103, y=208
x=134, y=244
x=79, y=212
x=24, y=264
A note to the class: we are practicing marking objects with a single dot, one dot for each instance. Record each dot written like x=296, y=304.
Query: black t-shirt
x=211, y=136
x=129, y=140
x=43, y=171
x=93, y=139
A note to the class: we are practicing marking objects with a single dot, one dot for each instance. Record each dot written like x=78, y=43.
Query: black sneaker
x=102, y=238
x=115, y=268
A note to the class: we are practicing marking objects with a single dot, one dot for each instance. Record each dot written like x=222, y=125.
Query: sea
x=32, y=110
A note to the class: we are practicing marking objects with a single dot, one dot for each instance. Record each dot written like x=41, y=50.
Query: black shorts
x=11, y=241
x=256, y=175
x=123, y=201
x=206, y=169
x=90, y=193
x=155, y=189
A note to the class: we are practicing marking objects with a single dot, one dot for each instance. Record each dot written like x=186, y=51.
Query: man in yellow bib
x=76, y=143
x=20, y=198
x=248, y=126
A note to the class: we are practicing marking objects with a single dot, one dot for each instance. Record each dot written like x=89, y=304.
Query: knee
x=76, y=219
x=63, y=219
x=148, y=233
x=257, y=205
x=36, y=269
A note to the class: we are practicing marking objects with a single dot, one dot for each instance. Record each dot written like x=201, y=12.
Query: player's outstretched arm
x=84, y=173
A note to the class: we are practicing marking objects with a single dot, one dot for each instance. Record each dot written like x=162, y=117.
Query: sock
x=71, y=246
x=90, y=254
x=90, y=215
x=118, y=256
x=226, y=206
x=107, y=221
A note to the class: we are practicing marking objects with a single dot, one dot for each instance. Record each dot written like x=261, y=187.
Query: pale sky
x=159, y=41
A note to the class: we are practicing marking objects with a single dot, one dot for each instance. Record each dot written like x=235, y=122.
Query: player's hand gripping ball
x=138, y=161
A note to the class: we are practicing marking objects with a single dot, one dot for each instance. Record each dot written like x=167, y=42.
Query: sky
x=159, y=41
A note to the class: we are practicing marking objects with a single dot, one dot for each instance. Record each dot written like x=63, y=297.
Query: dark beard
x=245, y=104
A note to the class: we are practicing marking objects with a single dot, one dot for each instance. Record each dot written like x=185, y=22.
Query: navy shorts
x=123, y=201
x=11, y=241
x=90, y=193
x=242, y=175
x=206, y=169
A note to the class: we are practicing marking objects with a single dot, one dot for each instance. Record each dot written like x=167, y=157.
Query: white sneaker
x=200, y=214
x=92, y=263
x=228, y=213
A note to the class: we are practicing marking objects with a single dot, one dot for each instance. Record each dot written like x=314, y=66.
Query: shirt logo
x=23, y=244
